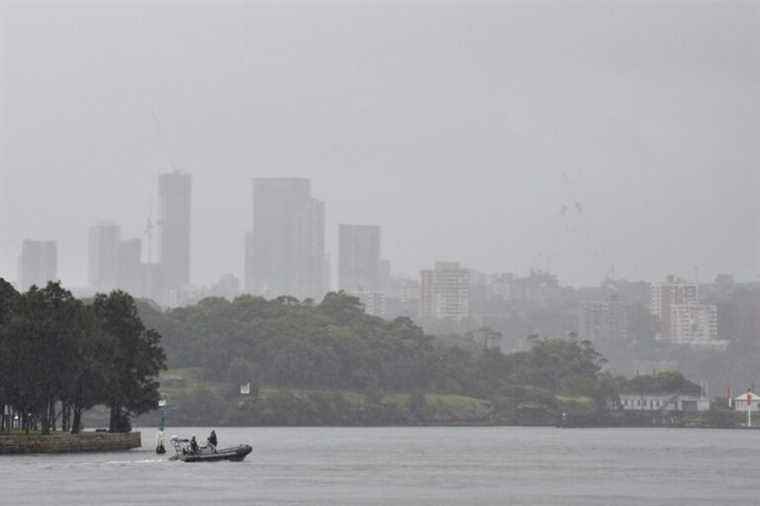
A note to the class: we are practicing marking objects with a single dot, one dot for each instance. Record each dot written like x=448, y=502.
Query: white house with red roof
x=741, y=402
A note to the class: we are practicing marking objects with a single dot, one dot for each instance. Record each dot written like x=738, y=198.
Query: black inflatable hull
x=236, y=454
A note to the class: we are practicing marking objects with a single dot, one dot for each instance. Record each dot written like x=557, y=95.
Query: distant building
x=249, y=281
x=501, y=285
x=359, y=258
x=603, y=321
x=744, y=400
x=445, y=292
x=681, y=318
x=664, y=294
x=103, y=256
x=384, y=273
x=373, y=302
x=130, y=271
x=153, y=282
x=664, y=402
x=38, y=263
x=427, y=293
x=693, y=323
x=227, y=287
x=538, y=287
x=285, y=253
x=174, y=195
x=402, y=298
x=407, y=290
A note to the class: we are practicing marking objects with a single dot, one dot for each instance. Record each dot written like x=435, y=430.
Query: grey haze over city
x=507, y=136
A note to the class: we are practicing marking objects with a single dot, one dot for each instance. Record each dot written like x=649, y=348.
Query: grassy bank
x=194, y=401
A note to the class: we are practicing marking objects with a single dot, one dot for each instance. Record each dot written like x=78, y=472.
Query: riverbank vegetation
x=60, y=356
x=307, y=363
x=331, y=363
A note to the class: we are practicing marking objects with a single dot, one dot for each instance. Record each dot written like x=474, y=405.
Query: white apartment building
x=664, y=294
x=693, y=323
x=445, y=292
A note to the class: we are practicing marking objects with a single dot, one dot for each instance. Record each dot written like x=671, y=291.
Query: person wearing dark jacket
x=212, y=438
x=193, y=445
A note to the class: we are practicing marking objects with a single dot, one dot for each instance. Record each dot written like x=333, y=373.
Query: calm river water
x=419, y=466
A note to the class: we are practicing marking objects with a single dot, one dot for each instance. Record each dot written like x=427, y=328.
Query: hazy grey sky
x=460, y=128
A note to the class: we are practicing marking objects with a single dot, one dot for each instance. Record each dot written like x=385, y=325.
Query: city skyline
x=484, y=156
x=182, y=211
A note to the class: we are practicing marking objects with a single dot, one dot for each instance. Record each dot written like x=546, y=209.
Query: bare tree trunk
x=65, y=416
x=45, y=422
x=112, y=418
x=76, y=425
x=51, y=414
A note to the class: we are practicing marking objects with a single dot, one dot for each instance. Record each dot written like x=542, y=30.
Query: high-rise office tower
x=359, y=258
x=248, y=268
x=103, y=261
x=38, y=263
x=174, y=194
x=285, y=254
x=130, y=273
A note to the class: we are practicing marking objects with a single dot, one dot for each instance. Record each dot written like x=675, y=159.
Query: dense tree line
x=60, y=356
x=335, y=345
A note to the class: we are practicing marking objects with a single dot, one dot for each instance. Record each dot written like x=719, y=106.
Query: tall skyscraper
x=131, y=273
x=103, y=261
x=285, y=254
x=359, y=258
x=38, y=263
x=174, y=194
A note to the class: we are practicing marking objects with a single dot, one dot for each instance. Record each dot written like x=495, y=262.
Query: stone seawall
x=11, y=444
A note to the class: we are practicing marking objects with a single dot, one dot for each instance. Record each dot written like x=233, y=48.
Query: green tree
x=134, y=359
x=43, y=331
x=8, y=299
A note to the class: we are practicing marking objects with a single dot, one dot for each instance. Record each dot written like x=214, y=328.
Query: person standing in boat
x=212, y=438
x=193, y=445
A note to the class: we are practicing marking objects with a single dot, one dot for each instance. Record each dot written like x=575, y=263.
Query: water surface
x=409, y=466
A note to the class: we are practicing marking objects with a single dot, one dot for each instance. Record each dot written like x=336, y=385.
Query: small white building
x=741, y=401
x=664, y=402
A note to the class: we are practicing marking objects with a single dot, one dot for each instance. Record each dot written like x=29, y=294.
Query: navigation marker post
x=160, y=436
x=749, y=408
